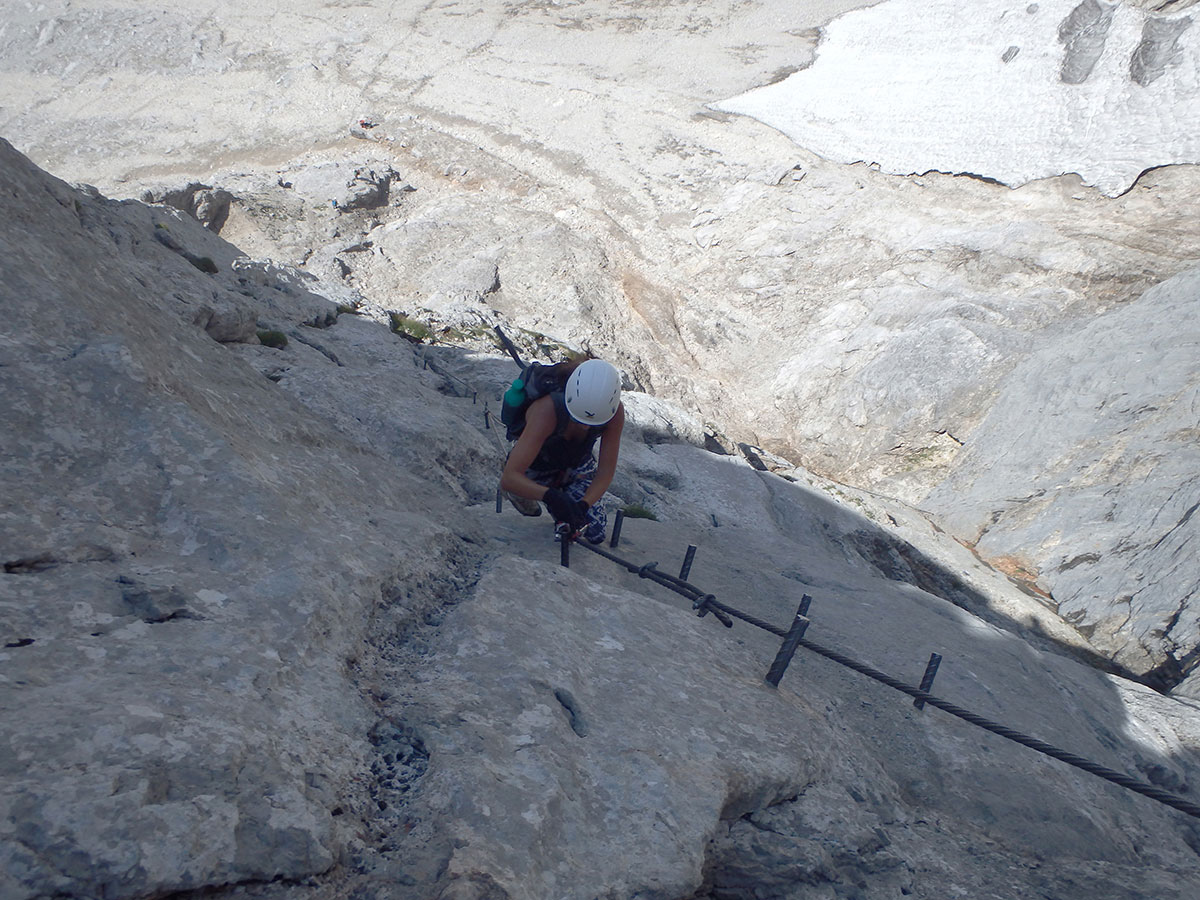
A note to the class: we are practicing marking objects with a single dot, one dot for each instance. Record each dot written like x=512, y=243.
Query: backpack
x=535, y=382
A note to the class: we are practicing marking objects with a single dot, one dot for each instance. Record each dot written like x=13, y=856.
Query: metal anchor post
x=790, y=642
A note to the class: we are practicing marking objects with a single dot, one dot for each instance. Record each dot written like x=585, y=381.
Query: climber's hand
x=564, y=509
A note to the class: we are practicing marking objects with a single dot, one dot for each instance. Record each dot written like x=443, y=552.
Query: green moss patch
x=276, y=339
x=411, y=329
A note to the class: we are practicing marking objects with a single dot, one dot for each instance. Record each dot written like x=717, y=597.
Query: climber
x=552, y=459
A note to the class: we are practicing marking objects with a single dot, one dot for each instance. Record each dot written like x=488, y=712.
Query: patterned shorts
x=574, y=483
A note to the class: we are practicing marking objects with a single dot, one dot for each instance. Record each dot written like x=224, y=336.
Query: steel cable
x=1003, y=731
x=707, y=602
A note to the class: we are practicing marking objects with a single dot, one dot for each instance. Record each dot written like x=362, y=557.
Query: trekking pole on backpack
x=508, y=346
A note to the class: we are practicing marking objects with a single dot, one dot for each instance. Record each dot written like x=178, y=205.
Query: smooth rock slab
x=1099, y=430
x=588, y=742
x=538, y=810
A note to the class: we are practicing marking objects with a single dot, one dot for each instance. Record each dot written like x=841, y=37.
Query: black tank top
x=559, y=454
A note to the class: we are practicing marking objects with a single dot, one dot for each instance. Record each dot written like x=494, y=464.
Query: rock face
x=589, y=734
x=1104, y=417
x=176, y=619
x=264, y=627
x=1021, y=91
x=670, y=791
x=856, y=322
x=251, y=559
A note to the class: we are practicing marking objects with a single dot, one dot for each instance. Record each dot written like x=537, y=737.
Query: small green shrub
x=276, y=339
x=203, y=263
x=347, y=310
x=468, y=334
x=412, y=329
x=532, y=343
x=637, y=511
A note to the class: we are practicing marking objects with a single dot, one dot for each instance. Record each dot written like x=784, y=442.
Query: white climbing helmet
x=593, y=392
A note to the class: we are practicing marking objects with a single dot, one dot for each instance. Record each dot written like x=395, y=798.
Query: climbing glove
x=564, y=509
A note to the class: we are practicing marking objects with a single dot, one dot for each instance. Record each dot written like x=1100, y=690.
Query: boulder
x=208, y=205
x=345, y=185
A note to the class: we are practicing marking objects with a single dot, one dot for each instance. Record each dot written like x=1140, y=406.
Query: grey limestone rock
x=283, y=294
x=242, y=633
x=704, y=782
x=166, y=567
x=1098, y=430
x=262, y=622
x=202, y=202
x=346, y=186
x=477, y=276
x=212, y=208
x=652, y=421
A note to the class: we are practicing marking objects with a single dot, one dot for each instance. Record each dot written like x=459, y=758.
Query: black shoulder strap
x=562, y=417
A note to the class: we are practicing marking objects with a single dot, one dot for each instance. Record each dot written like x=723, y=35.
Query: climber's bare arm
x=540, y=420
x=606, y=467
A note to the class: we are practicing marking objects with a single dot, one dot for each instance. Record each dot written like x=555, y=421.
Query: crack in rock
x=574, y=714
